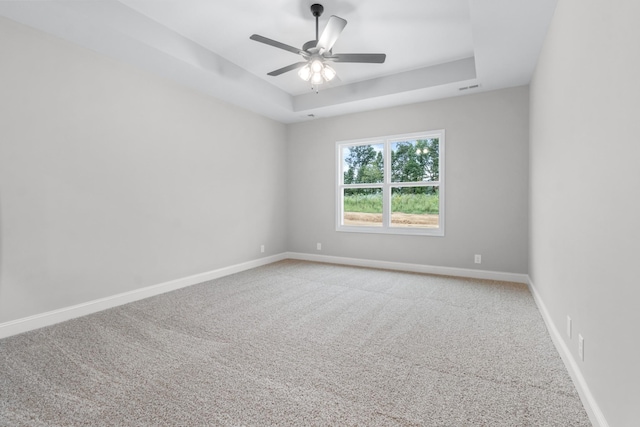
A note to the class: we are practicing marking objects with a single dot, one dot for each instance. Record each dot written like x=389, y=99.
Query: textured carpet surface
x=298, y=343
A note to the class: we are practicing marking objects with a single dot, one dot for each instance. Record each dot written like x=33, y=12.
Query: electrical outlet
x=319, y=246
x=569, y=327
x=261, y=248
x=581, y=347
x=477, y=259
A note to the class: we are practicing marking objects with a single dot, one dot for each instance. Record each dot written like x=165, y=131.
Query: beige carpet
x=297, y=344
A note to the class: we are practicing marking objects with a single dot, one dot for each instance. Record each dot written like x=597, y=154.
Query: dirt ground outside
x=397, y=219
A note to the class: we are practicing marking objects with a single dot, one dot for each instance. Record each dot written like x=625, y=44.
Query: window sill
x=435, y=232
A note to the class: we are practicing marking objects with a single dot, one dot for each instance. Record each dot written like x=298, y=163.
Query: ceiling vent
x=469, y=87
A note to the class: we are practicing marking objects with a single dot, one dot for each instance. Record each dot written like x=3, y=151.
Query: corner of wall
x=591, y=406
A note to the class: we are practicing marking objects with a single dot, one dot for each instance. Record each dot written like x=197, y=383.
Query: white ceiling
x=433, y=47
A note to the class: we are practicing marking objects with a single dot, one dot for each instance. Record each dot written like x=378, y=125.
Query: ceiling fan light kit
x=317, y=72
x=318, y=52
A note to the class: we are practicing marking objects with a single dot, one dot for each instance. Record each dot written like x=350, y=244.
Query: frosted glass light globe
x=317, y=79
x=305, y=73
x=316, y=66
x=328, y=73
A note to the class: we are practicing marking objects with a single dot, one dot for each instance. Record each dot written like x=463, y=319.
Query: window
x=391, y=184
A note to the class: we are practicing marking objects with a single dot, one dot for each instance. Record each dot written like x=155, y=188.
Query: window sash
x=388, y=184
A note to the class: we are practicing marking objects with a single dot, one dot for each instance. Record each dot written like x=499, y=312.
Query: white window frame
x=386, y=185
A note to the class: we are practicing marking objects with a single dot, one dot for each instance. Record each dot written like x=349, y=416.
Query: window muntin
x=392, y=184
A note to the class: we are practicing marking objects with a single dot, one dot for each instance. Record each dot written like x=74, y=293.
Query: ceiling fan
x=317, y=53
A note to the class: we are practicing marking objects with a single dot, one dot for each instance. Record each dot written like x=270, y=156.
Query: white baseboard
x=414, y=268
x=26, y=324
x=591, y=406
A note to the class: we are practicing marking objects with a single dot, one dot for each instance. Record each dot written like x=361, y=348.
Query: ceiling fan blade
x=279, y=45
x=287, y=68
x=369, y=58
x=331, y=33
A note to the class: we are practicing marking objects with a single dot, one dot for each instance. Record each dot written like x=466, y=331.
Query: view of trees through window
x=413, y=183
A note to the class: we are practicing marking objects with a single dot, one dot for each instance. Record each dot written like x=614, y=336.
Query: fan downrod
x=316, y=10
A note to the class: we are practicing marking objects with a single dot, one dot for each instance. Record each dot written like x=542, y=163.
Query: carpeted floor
x=298, y=344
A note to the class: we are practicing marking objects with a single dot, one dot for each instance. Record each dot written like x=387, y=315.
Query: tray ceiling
x=434, y=48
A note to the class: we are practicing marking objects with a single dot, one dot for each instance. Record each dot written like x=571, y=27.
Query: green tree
x=415, y=161
x=429, y=157
x=372, y=172
x=365, y=166
x=411, y=161
x=349, y=176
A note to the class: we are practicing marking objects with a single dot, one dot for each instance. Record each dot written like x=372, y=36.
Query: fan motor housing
x=311, y=44
x=317, y=9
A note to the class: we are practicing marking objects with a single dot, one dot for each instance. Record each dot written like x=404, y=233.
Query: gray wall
x=486, y=182
x=585, y=182
x=112, y=179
